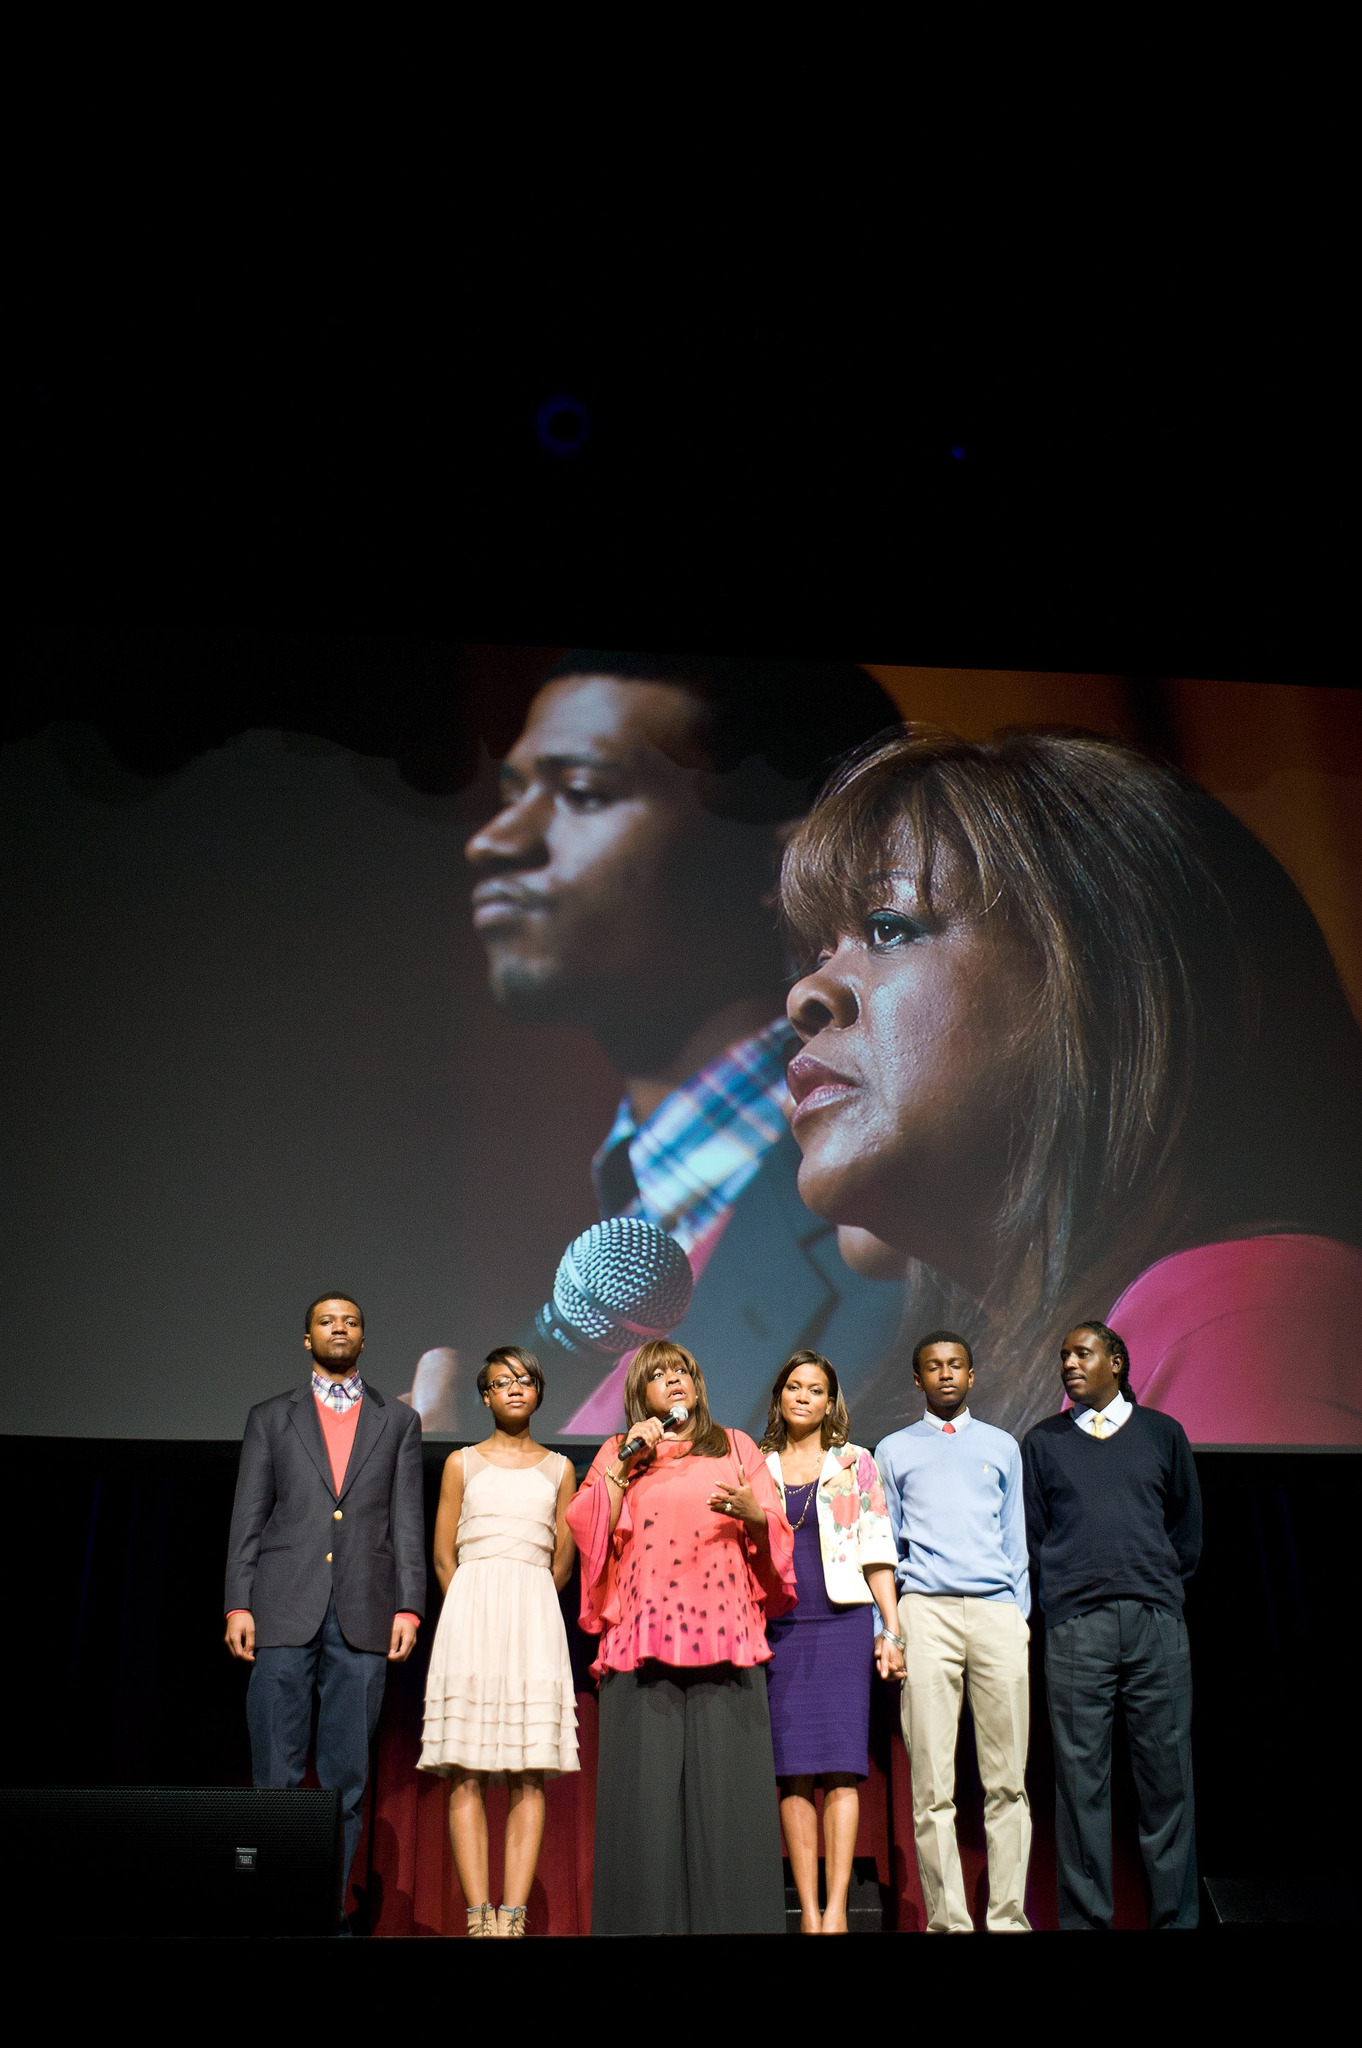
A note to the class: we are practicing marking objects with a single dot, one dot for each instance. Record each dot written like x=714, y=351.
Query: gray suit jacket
x=295, y=1541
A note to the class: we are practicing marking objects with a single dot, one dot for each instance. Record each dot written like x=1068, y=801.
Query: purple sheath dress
x=822, y=1658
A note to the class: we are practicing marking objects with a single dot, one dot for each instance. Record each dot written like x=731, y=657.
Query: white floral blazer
x=853, y=1521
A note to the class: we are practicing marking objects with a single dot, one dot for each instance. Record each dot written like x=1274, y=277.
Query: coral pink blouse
x=676, y=1581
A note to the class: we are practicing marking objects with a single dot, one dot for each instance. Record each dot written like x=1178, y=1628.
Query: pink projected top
x=1251, y=1342
x=676, y=1581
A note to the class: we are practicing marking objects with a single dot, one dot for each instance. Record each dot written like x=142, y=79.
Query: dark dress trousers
x=323, y=1574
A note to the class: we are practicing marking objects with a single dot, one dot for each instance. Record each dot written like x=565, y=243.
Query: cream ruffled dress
x=499, y=1694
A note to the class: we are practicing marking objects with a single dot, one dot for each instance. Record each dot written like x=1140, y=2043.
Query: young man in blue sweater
x=954, y=1490
x=1113, y=1512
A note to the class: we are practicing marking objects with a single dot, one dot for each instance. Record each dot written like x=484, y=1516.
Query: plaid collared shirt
x=339, y=1395
x=701, y=1147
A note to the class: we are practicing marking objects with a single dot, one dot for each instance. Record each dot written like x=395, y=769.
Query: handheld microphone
x=635, y=1443
x=618, y=1284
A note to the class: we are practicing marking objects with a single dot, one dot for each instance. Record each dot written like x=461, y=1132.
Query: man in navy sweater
x=953, y=1487
x=1113, y=1515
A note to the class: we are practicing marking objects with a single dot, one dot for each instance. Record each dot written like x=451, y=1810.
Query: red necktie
x=948, y=1429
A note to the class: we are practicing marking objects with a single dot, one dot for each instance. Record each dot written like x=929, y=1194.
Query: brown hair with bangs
x=1192, y=1067
x=707, y=1438
x=836, y=1426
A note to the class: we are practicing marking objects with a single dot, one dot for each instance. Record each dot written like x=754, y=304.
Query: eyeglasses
x=667, y=1372
x=522, y=1379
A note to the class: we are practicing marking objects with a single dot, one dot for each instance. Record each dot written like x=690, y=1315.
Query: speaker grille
x=170, y=1859
x=618, y=1284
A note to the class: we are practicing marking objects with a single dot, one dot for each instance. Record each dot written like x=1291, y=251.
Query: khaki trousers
x=951, y=1642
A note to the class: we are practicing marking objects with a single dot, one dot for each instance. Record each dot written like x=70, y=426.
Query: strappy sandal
x=511, y=1922
x=482, y=1922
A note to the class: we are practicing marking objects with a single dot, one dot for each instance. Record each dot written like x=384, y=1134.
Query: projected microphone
x=618, y=1284
x=635, y=1443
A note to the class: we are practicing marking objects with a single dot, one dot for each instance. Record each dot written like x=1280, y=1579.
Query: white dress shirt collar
x=1117, y=1411
x=959, y=1422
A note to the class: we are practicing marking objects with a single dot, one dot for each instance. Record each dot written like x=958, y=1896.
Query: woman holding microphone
x=684, y=1553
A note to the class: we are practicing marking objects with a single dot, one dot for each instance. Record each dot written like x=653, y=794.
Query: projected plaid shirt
x=692, y=1159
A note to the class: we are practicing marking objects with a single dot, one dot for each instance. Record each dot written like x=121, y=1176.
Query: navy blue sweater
x=1118, y=1519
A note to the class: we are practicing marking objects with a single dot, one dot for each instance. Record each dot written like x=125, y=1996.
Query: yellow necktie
x=1099, y=1428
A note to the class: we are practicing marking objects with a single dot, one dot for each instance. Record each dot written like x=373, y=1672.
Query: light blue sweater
x=955, y=1507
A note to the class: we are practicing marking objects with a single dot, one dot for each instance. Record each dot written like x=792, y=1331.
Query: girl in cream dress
x=499, y=1694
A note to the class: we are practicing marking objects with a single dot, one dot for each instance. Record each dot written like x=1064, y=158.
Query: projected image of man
x=626, y=885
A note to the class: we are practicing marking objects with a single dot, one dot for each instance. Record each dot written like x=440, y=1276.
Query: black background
x=1138, y=488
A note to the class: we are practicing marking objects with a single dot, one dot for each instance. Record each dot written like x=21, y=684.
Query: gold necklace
x=812, y=1485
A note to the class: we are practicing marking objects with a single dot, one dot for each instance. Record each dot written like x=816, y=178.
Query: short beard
x=636, y=1037
x=540, y=993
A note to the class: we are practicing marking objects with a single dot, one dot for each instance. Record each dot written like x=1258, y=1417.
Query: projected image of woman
x=1073, y=1039
x=685, y=1552
x=500, y=1704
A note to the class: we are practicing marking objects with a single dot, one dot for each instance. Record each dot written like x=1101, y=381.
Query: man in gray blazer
x=326, y=1568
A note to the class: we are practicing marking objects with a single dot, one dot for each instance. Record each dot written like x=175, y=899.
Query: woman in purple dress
x=822, y=1653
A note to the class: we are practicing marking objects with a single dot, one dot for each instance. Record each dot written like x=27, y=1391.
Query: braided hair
x=1116, y=1351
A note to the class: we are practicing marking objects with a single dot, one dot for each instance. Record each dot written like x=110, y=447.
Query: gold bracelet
x=620, y=1483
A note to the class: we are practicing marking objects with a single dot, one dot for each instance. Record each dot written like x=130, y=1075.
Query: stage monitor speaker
x=1281, y=1902
x=172, y=1860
